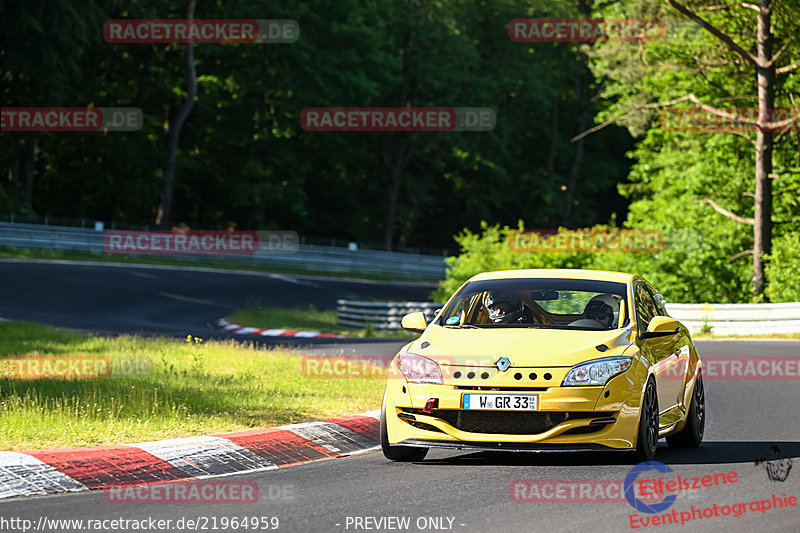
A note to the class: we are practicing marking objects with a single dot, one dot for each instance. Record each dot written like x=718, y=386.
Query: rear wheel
x=692, y=433
x=398, y=453
x=647, y=438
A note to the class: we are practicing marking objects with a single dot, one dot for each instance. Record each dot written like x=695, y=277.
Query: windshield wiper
x=465, y=326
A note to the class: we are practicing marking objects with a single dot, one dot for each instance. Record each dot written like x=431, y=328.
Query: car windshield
x=538, y=303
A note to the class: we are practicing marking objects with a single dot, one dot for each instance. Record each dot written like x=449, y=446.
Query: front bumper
x=569, y=418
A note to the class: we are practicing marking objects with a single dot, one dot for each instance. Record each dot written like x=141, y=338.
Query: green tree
x=730, y=59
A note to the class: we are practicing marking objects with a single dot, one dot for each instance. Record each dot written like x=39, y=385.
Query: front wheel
x=692, y=433
x=398, y=453
x=647, y=438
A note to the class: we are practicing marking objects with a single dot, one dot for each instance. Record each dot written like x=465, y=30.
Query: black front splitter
x=508, y=446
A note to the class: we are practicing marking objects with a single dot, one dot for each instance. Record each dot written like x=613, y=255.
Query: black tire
x=692, y=433
x=398, y=453
x=647, y=437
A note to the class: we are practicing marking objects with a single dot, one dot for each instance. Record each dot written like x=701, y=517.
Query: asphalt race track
x=745, y=418
x=448, y=491
x=119, y=298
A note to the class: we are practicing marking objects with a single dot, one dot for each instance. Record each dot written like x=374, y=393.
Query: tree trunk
x=765, y=76
x=551, y=156
x=428, y=177
x=765, y=80
x=164, y=215
x=13, y=168
x=28, y=166
x=396, y=161
x=577, y=160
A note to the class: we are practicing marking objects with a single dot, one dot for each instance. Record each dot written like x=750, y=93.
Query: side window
x=645, y=307
x=661, y=303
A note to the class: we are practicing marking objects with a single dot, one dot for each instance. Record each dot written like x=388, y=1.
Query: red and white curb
x=103, y=467
x=243, y=330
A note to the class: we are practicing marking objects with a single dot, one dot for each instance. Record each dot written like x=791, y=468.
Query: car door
x=675, y=373
x=659, y=350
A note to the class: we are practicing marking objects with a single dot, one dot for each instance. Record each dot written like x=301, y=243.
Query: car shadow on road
x=718, y=452
x=712, y=452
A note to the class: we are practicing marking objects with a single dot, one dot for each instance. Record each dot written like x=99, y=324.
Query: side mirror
x=661, y=326
x=414, y=322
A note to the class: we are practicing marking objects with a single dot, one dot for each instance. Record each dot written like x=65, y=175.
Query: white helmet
x=602, y=306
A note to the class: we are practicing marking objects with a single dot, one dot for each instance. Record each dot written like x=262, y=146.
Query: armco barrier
x=380, y=315
x=723, y=319
x=739, y=319
x=308, y=256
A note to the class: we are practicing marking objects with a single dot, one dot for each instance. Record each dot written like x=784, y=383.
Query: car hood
x=525, y=347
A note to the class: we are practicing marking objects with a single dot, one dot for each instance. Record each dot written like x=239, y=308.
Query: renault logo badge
x=503, y=364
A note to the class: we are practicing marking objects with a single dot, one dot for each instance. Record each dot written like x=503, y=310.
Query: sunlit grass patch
x=161, y=388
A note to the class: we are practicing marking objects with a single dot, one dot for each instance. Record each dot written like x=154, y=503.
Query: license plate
x=500, y=402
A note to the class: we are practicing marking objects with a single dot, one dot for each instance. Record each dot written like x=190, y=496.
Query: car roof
x=568, y=273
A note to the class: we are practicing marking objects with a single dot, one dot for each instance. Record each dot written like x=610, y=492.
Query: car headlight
x=596, y=372
x=418, y=369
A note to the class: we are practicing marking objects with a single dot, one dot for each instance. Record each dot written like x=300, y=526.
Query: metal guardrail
x=723, y=319
x=738, y=319
x=308, y=256
x=380, y=315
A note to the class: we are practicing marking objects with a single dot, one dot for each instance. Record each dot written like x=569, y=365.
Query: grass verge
x=180, y=389
x=309, y=319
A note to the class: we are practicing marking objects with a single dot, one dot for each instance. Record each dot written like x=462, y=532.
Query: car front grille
x=503, y=422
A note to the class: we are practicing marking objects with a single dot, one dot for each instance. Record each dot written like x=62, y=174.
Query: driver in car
x=507, y=308
x=601, y=309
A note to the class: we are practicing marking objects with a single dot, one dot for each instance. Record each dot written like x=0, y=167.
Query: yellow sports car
x=543, y=360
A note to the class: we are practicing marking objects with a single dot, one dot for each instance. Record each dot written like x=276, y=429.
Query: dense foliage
x=675, y=173
x=244, y=161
